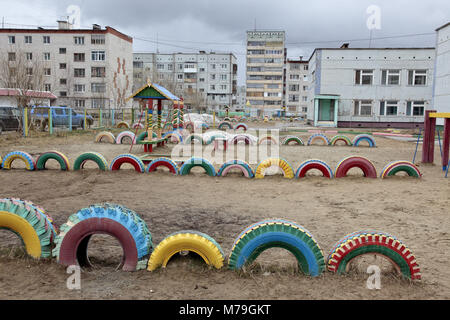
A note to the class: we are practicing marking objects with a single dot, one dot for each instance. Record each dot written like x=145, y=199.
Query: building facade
x=84, y=68
x=441, y=94
x=370, y=87
x=265, y=70
x=297, y=86
x=206, y=81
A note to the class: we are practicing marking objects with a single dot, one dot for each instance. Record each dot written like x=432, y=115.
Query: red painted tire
x=364, y=164
x=127, y=158
x=314, y=164
x=73, y=249
x=162, y=162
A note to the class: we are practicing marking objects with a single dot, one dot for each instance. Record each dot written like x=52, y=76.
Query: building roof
x=153, y=91
x=6, y=92
x=71, y=31
x=444, y=26
x=349, y=49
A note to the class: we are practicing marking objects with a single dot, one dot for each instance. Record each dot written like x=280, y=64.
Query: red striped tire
x=73, y=249
x=162, y=162
x=127, y=158
x=364, y=164
x=314, y=164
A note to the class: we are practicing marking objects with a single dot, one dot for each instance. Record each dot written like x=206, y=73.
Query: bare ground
x=415, y=211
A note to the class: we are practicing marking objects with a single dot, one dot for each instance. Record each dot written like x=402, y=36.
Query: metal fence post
x=50, y=121
x=85, y=116
x=100, y=117
x=25, y=122
x=112, y=117
x=70, y=119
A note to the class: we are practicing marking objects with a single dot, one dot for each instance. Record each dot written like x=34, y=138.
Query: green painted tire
x=90, y=156
x=142, y=136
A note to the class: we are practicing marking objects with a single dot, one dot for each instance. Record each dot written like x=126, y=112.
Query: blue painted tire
x=364, y=137
x=243, y=165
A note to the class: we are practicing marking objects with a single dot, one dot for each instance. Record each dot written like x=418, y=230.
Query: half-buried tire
x=90, y=156
x=62, y=160
x=117, y=221
x=282, y=234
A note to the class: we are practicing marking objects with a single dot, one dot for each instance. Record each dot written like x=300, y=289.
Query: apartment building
x=204, y=80
x=265, y=70
x=370, y=87
x=297, y=86
x=441, y=94
x=84, y=68
x=241, y=99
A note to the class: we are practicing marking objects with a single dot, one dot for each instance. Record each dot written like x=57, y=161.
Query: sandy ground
x=415, y=211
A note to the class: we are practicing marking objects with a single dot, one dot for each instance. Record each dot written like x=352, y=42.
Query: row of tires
x=69, y=243
x=341, y=170
x=288, y=140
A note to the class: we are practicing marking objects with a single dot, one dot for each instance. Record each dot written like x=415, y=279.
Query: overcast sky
x=192, y=25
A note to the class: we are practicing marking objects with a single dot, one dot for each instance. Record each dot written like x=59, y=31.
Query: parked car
x=9, y=118
x=60, y=117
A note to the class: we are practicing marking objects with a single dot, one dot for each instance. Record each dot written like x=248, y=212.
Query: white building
x=84, y=68
x=265, y=74
x=297, y=86
x=241, y=99
x=441, y=95
x=208, y=80
x=370, y=87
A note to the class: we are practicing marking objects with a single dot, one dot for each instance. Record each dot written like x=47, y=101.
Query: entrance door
x=326, y=110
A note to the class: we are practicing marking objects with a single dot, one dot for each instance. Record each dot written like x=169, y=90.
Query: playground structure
x=69, y=244
x=429, y=137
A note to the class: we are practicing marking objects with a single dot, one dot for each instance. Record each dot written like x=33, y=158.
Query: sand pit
x=414, y=210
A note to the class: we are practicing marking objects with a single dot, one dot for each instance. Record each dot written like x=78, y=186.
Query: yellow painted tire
x=23, y=228
x=281, y=163
x=193, y=241
x=107, y=136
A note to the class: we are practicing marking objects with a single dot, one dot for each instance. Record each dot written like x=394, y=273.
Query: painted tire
x=105, y=136
x=55, y=155
x=364, y=137
x=143, y=135
x=168, y=126
x=364, y=242
x=25, y=157
x=123, y=124
x=400, y=166
x=188, y=240
x=193, y=137
x=314, y=164
x=90, y=156
x=241, y=126
x=189, y=126
x=236, y=164
x=337, y=138
x=165, y=162
x=281, y=163
x=127, y=158
x=197, y=162
x=122, y=223
x=173, y=136
x=240, y=137
x=364, y=164
x=225, y=125
x=126, y=134
x=282, y=234
x=267, y=139
x=318, y=136
x=137, y=126
x=1, y=160
x=214, y=137
x=30, y=223
x=295, y=139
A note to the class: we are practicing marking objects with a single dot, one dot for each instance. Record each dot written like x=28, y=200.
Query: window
x=63, y=93
x=78, y=57
x=390, y=77
x=224, y=66
x=294, y=98
x=305, y=78
x=98, y=103
x=179, y=76
x=202, y=69
x=223, y=77
x=223, y=87
x=160, y=66
x=98, y=72
x=388, y=108
x=364, y=77
x=213, y=87
x=98, y=39
x=98, y=56
x=170, y=67
x=273, y=86
x=362, y=108
x=46, y=56
x=78, y=40
x=305, y=88
x=28, y=39
x=63, y=81
x=138, y=64
x=80, y=103
x=62, y=50
x=305, y=67
x=256, y=85
x=305, y=99
x=213, y=77
x=46, y=39
x=180, y=66
x=62, y=66
x=417, y=108
x=294, y=77
x=79, y=88
x=79, y=73
x=213, y=66
x=47, y=87
x=11, y=39
x=294, y=87
x=417, y=77
x=11, y=56
x=29, y=56
x=201, y=79
x=47, y=72
x=304, y=109
x=29, y=71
